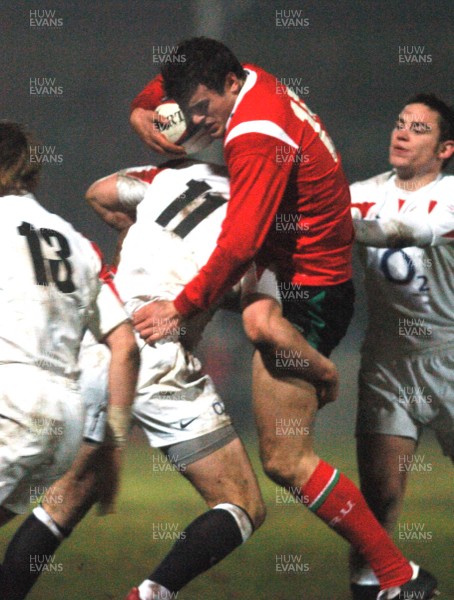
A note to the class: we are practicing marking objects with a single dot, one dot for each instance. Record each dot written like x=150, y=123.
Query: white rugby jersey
x=50, y=291
x=410, y=291
x=178, y=223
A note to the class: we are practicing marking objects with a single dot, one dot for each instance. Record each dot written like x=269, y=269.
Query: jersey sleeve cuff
x=184, y=306
x=109, y=314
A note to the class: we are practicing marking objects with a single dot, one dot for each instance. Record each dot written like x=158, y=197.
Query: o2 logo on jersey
x=399, y=268
x=59, y=269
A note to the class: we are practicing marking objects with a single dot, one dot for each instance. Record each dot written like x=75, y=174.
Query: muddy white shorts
x=41, y=425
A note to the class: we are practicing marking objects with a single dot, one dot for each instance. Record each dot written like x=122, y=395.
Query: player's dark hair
x=445, y=116
x=19, y=169
x=197, y=61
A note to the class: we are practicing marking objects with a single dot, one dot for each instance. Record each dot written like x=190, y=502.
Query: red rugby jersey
x=289, y=198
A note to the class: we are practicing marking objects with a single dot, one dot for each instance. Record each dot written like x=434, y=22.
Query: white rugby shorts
x=41, y=424
x=175, y=402
x=402, y=396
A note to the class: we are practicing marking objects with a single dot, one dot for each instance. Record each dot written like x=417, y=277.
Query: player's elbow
x=102, y=196
x=92, y=194
x=237, y=250
x=136, y=118
x=134, y=115
x=93, y=197
x=102, y=192
x=254, y=326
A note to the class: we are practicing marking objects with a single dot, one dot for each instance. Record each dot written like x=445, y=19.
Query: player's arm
x=406, y=230
x=110, y=324
x=144, y=119
x=257, y=185
x=393, y=233
x=383, y=233
x=403, y=230
x=115, y=200
x=122, y=382
x=123, y=372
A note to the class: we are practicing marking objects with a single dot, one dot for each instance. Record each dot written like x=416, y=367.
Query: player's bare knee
x=249, y=498
x=388, y=500
x=384, y=500
x=256, y=327
x=278, y=470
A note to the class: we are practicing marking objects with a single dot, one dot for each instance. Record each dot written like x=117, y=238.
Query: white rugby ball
x=193, y=138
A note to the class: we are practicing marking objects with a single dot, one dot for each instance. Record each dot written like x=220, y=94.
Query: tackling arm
x=111, y=202
x=256, y=189
x=257, y=186
x=123, y=372
x=401, y=232
x=401, y=228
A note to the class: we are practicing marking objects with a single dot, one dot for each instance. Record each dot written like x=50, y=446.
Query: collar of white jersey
x=408, y=193
x=264, y=127
x=21, y=194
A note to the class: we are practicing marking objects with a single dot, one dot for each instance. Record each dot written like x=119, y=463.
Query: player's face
x=209, y=108
x=415, y=148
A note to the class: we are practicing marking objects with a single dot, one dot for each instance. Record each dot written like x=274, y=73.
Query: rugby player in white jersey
x=404, y=221
x=50, y=293
x=177, y=226
x=179, y=211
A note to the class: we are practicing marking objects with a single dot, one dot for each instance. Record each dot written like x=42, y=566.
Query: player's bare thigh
x=226, y=475
x=284, y=350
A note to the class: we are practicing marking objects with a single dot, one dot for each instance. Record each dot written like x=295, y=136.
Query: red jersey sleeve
x=106, y=273
x=151, y=96
x=257, y=184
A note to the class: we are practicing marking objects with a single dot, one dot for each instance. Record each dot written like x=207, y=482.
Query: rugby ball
x=193, y=138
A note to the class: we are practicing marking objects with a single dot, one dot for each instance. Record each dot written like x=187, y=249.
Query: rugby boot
x=364, y=592
x=422, y=586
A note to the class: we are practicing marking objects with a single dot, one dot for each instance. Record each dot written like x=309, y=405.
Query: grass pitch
x=292, y=557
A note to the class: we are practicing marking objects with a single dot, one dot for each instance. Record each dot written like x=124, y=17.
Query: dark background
x=347, y=56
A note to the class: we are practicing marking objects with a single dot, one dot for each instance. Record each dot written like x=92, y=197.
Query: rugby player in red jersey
x=283, y=167
x=180, y=208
